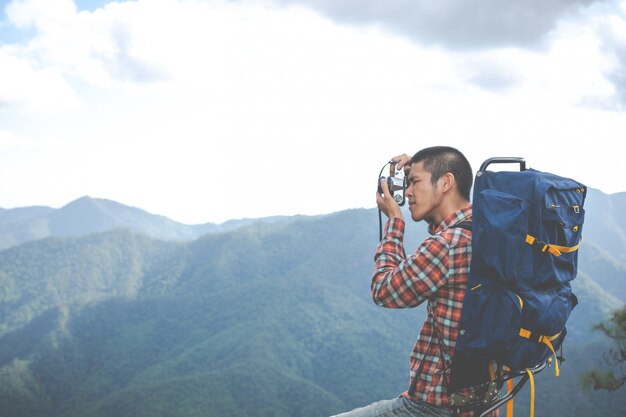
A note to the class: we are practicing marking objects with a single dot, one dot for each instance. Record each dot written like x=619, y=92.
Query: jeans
x=398, y=407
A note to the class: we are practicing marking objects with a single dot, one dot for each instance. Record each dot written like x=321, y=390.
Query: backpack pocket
x=551, y=320
x=562, y=220
x=563, y=217
x=544, y=318
x=501, y=233
x=493, y=320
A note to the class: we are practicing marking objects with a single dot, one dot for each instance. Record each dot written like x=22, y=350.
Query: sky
x=210, y=110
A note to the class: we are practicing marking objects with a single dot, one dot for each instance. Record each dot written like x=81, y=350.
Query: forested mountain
x=88, y=215
x=268, y=319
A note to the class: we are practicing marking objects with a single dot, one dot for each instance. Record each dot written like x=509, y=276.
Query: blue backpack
x=526, y=230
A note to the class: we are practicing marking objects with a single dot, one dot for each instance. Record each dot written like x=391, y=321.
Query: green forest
x=263, y=318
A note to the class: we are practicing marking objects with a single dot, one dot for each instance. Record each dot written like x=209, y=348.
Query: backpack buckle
x=539, y=245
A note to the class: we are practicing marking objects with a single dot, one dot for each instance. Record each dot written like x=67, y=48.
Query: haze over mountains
x=107, y=310
x=90, y=215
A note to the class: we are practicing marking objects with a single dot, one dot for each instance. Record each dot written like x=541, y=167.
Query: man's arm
x=400, y=282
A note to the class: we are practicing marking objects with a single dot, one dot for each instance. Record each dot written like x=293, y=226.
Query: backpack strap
x=465, y=224
x=457, y=400
x=546, y=340
x=555, y=250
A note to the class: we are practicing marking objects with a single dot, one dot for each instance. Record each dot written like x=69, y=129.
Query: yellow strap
x=551, y=338
x=555, y=250
x=532, y=392
x=546, y=340
x=509, y=405
x=492, y=372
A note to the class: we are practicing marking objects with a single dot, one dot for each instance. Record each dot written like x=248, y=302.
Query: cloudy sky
x=208, y=110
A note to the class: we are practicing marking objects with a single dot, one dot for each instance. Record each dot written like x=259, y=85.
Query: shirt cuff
x=394, y=227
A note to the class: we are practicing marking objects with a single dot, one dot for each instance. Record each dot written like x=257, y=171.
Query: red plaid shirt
x=436, y=273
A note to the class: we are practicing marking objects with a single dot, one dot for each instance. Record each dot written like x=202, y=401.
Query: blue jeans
x=398, y=407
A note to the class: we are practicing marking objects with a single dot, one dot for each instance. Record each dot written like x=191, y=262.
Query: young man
x=439, y=180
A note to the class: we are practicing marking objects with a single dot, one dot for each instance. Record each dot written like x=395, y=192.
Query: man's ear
x=448, y=181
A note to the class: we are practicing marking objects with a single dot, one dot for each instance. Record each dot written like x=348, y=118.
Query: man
x=439, y=180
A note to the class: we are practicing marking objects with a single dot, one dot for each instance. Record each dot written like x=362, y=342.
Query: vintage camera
x=396, y=183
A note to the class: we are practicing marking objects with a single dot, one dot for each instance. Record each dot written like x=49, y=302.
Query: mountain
x=268, y=319
x=88, y=215
x=204, y=322
x=606, y=226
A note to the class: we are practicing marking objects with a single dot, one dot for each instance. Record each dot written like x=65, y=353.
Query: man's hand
x=386, y=203
x=402, y=161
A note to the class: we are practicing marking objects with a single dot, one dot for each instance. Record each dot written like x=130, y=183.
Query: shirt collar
x=458, y=216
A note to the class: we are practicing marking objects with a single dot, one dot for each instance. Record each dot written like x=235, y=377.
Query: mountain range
x=92, y=215
x=107, y=310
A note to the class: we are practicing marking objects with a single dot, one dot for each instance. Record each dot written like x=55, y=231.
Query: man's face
x=423, y=197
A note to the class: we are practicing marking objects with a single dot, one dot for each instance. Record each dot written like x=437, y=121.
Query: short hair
x=439, y=160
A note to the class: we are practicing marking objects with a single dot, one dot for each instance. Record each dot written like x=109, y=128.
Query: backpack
x=526, y=230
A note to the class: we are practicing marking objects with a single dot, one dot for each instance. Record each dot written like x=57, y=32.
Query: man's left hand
x=386, y=202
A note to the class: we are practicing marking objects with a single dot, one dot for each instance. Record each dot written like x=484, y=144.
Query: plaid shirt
x=436, y=273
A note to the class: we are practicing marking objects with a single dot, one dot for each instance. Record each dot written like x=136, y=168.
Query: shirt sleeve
x=400, y=282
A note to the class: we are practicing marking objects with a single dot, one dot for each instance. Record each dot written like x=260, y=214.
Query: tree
x=615, y=328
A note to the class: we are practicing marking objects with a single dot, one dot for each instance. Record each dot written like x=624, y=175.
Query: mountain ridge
x=87, y=215
x=268, y=319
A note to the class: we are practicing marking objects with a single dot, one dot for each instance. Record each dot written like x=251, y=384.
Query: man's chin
x=417, y=217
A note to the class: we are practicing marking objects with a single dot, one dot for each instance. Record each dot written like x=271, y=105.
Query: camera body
x=396, y=184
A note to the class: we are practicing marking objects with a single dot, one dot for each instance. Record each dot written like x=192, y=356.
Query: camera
x=396, y=184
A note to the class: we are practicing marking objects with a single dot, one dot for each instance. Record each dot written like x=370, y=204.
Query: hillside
x=231, y=314
x=270, y=319
x=88, y=215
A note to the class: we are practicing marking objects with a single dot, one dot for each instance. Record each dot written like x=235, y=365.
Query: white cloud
x=95, y=47
x=468, y=24
x=46, y=15
x=8, y=141
x=610, y=28
x=211, y=110
x=32, y=88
